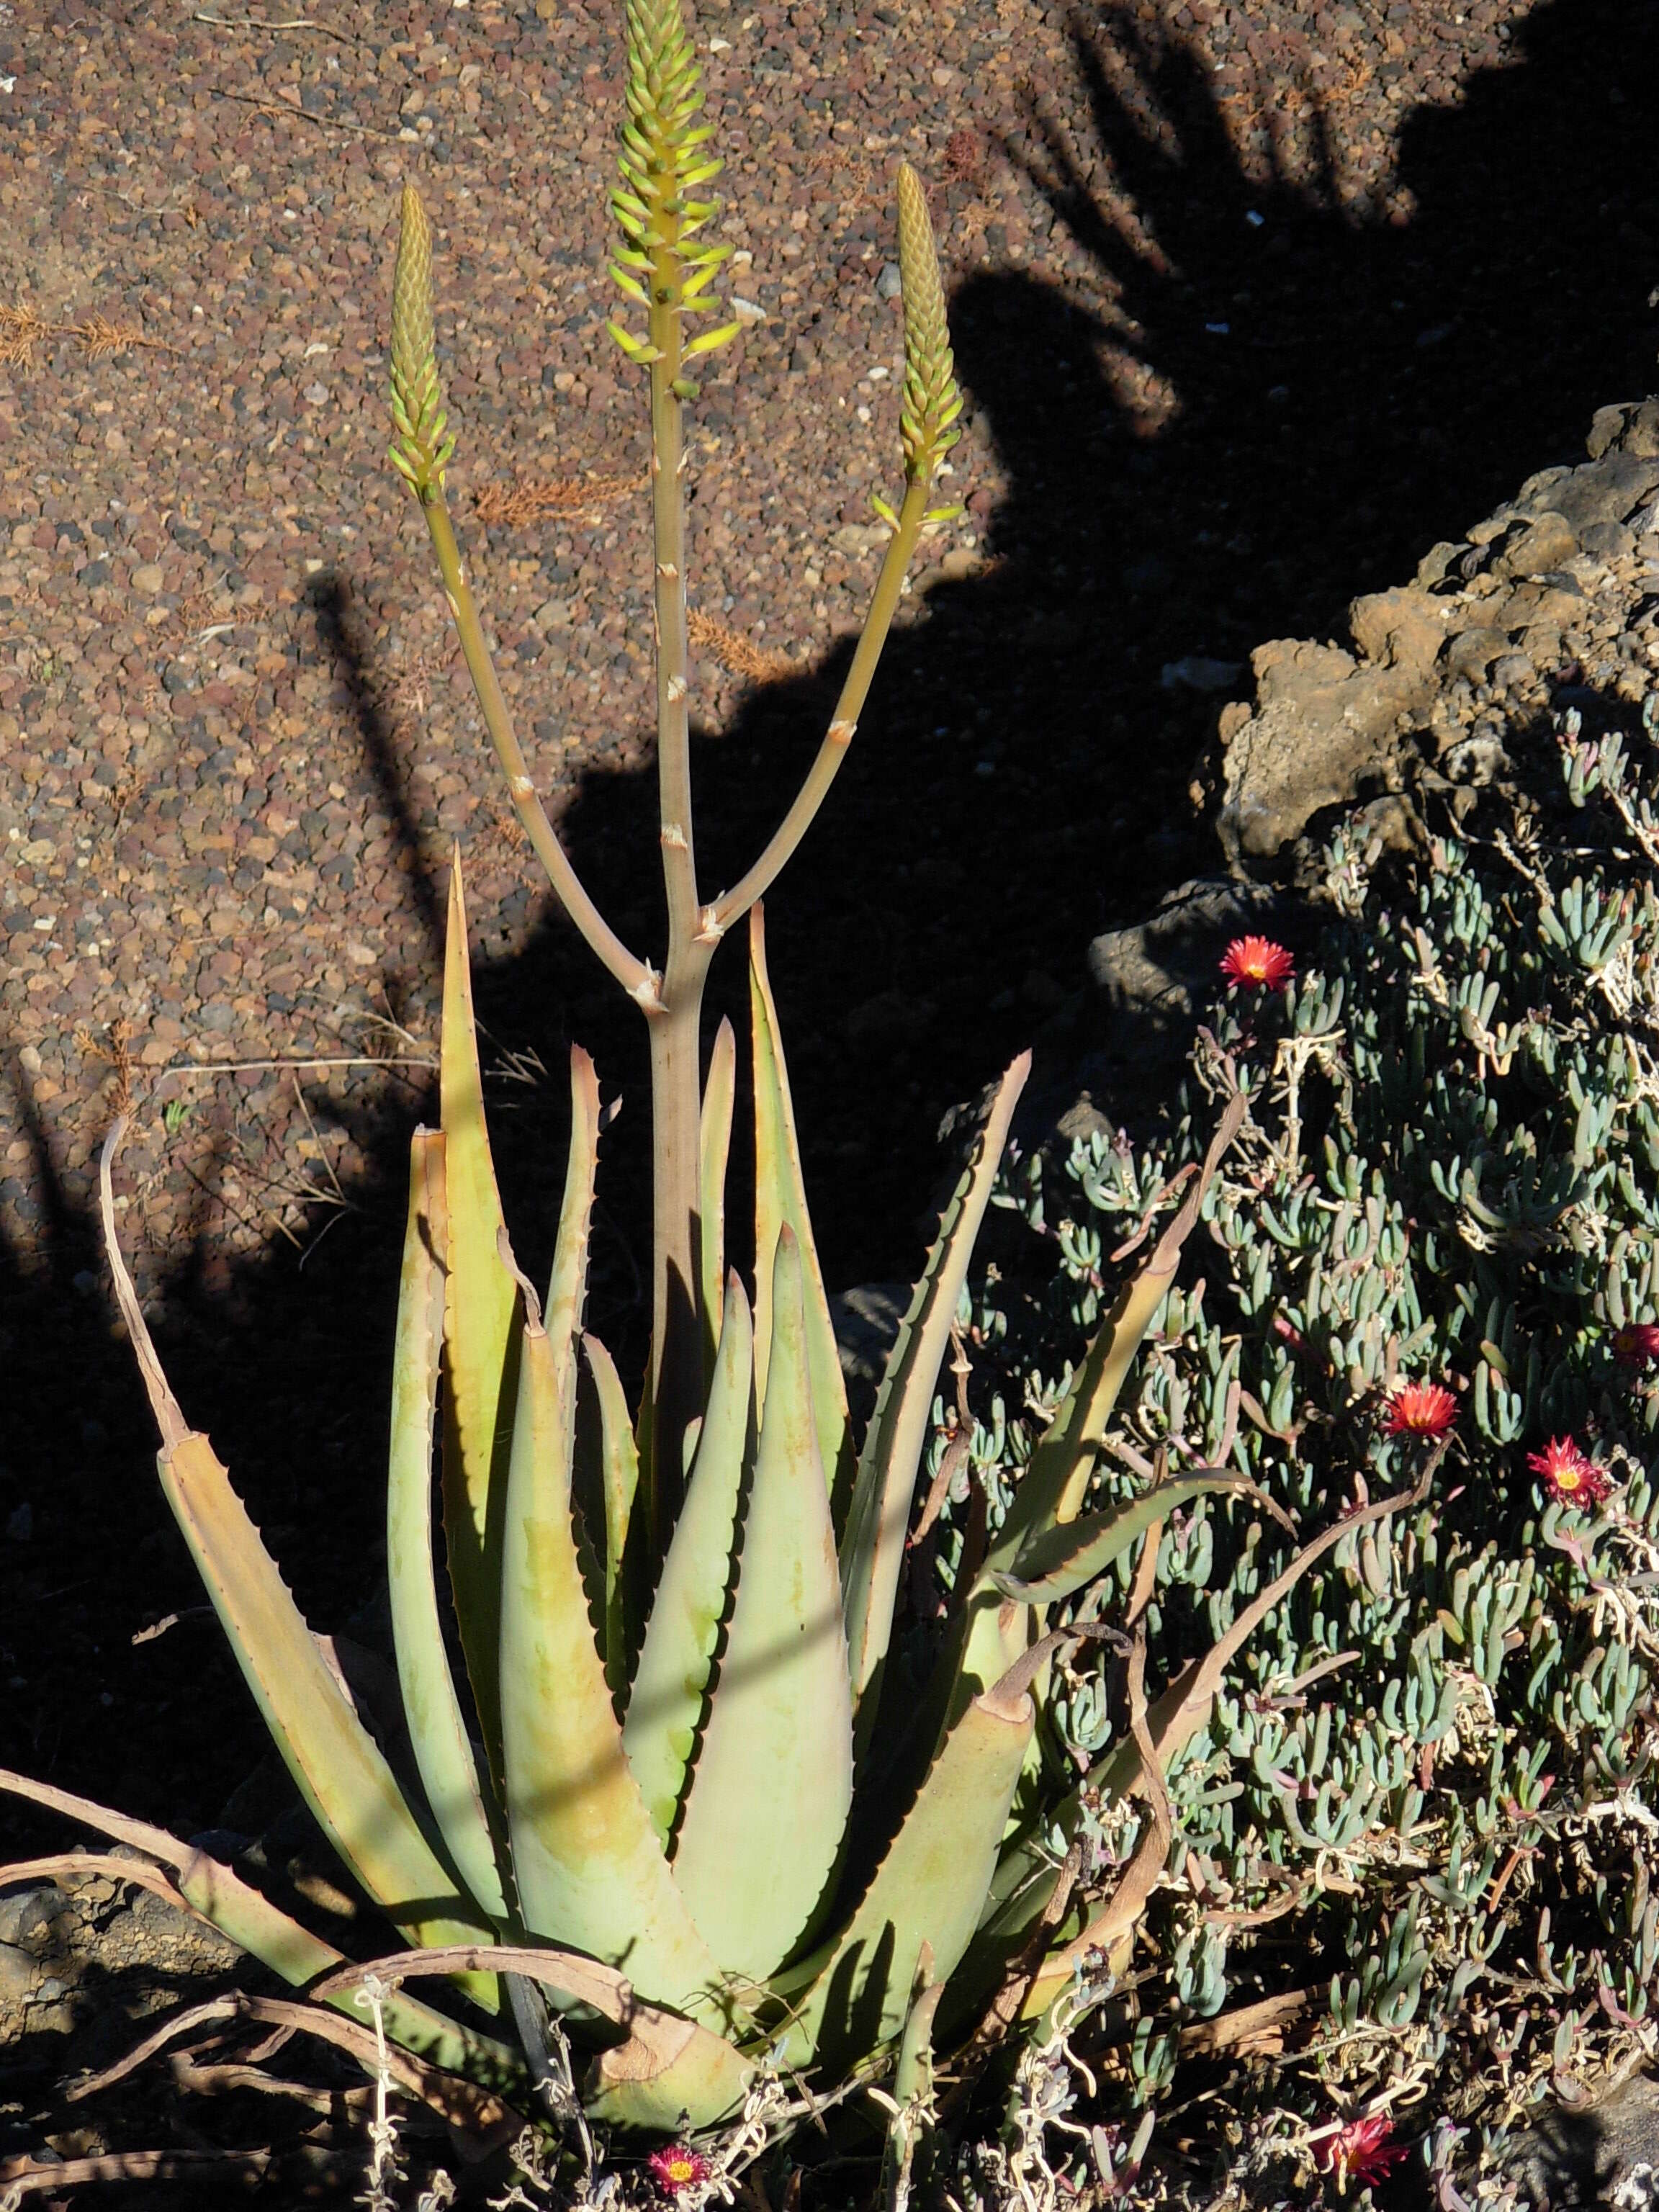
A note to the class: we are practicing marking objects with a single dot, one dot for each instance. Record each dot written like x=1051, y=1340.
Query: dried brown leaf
x=99, y=337
x=735, y=652
x=20, y=332
x=516, y=504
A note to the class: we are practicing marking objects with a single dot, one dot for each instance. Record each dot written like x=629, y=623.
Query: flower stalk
x=666, y=265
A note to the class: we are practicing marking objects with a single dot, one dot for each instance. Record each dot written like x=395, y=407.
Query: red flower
x=677, y=2167
x=1636, y=1344
x=1570, y=1478
x=1421, y=1409
x=1257, y=961
x=1362, y=2150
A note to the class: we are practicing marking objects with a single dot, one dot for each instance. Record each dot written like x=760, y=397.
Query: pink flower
x=1257, y=961
x=1636, y=1344
x=677, y=2168
x=1421, y=1409
x=1570, y=1478
x=1362, y=2150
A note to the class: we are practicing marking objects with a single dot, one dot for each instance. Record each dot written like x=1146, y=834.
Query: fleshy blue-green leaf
x=665, y=1705
x=773, y=1782
x=1059, y=1560
x=872, y=1549
x=479, y=1338
x=437, y=1731
x=781, y=1200
x=588, y=1865
x=619, y=1477
x=930, y=1888
x=719, y=1098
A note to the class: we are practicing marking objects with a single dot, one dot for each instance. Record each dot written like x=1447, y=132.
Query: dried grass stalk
x=514, y=504
x=734, y=651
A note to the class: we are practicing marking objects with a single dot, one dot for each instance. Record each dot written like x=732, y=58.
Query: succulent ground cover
x=1420, y=1815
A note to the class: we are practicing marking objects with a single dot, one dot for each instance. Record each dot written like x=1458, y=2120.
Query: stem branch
x=733, y=905
x=632, y=973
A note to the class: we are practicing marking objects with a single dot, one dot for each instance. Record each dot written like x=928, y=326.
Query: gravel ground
x=1253, y=303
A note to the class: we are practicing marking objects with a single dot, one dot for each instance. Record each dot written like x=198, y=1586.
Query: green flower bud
x=420, y=451
x=932, y=401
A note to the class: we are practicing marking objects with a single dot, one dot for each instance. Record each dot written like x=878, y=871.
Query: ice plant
x=1362, y=2151
x=1569, y=1477
x=677, y=2168
x=674, y=1779
x=1420, y=1409
x=1636, y=1344
x=1257, y=962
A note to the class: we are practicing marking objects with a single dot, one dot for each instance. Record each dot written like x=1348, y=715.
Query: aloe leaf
x=913, y=2078
x=703, y=2081
x=254, y=1924
x=872, y=1549
x=262, y=1928
x=619, y=1478
x=1175, y=1717
x=1059, y=1560
x=568, y=1287
x=1052, y=1488
x=1024, y=1882
x=667, y=2073
x=930, y=1888
x=719, y=1097
x=665, y=1705
x=911, y=2125
x=437, y=1729
x=668, y=2066
x=781, y=1200
x=478, y=1338
x=589, y=1868
x=773, y=1782
x=337, y=1765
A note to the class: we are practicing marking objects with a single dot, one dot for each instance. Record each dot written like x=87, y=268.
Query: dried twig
x=478, y=2112
x=22, y=2177
x=254, y=1067
x=301, y=114
x=114, y=1048
x=264, y=23
x=1257, y=2029
x=210, y=2081
x=139, y=1871
x=99, y=337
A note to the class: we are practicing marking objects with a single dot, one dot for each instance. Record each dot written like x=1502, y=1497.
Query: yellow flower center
x=680, y=2169
x=1568, y=1478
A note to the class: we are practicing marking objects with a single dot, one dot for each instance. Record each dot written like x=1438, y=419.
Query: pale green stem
x=733, y=905
x=636, y=977
x=677, y=1323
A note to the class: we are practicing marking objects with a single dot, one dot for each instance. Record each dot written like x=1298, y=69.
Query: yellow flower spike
x=663, y=157
x=420, y=452
x=932, y=401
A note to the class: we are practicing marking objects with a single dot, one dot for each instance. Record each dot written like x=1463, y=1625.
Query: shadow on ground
x=1020, y=781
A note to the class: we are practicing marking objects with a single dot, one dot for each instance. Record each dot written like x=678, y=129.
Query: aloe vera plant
x=671, y=1779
